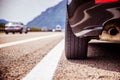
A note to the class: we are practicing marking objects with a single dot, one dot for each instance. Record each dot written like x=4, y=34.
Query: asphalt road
x=17, y=60
x=21, y=52
x=16, y=37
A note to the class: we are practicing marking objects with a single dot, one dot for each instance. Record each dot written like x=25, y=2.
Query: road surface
x=33, y=56
x=19, y=53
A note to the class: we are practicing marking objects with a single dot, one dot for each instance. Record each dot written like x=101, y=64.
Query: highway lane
x=17, y=60
x=102, y=62
x=4, y=38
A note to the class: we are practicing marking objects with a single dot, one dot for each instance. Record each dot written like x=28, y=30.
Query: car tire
x=13, y=32
x=20, y=32
x=6, y=32
x=75, y=47
x=26, y=32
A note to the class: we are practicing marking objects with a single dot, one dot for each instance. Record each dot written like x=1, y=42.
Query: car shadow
x=102, y=56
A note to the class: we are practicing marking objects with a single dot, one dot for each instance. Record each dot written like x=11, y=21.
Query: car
x=87, y=20
x=15, y=27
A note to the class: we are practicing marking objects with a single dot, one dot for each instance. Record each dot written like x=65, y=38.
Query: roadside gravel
x=16, y=61
x=96, y=67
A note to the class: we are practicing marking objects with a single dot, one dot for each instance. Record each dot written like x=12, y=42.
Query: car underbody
x=87, y=20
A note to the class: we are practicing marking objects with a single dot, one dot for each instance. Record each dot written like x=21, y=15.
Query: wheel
x=13, y=32
x=20, y=32
x=75, y=48
x=6, y=32
x=26, y=32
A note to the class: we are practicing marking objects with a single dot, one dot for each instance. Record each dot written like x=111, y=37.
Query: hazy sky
x=24, y=10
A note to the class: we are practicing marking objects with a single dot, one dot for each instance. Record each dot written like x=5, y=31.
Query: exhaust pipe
x=113, y=31
x=110, y=34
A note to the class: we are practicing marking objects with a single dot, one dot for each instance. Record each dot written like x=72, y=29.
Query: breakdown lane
x=101, y=64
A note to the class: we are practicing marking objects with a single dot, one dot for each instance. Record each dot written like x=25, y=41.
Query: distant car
x=90, y=19
x=16, y=27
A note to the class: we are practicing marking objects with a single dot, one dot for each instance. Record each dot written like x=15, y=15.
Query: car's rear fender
x=88, y=18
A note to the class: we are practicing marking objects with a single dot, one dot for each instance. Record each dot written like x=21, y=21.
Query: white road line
x=27, y=40
x=45, y=69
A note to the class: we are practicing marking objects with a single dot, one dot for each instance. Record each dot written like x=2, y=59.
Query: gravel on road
x=95, y=67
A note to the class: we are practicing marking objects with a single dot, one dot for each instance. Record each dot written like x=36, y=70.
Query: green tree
x=35, y=29
x=2, y=27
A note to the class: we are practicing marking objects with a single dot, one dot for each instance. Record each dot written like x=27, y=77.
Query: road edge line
x=46, y=68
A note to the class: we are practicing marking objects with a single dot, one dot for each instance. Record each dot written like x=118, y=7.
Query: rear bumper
x=16, y=30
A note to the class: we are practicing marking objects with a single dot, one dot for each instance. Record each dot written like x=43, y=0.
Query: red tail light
x=6, y=27
x=17, y=26
x=105, y=1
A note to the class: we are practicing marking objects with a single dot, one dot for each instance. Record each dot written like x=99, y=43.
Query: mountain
x=3, y=21
x=51, y=17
